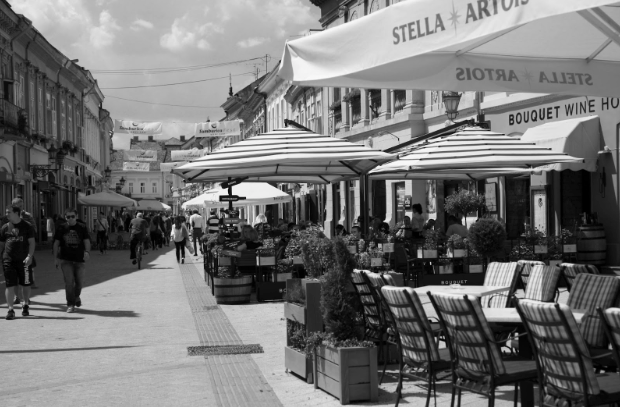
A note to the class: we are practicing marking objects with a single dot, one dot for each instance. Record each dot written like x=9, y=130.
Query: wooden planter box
x=308, y=314
x=272, y=290
x=349, y=374
x=457, y=253
x=297, y=362
x=427, y=254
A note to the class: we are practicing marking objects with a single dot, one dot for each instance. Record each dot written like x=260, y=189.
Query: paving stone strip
x=235, y=378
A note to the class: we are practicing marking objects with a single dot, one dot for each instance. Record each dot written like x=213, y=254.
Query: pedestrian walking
x=71, y=252
x=197, y=223
x=179, y=235
x=155, y=232
x=102, y=228
x=167, y=222
x=138, y=228
x=17, y=248
x=26, y=216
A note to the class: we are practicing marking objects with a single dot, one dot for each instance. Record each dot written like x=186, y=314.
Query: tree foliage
x=487, y=236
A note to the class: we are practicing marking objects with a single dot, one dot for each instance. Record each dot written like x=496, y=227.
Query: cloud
x=140, y=25
x=104, y=35
x=252, y=42
x=185, y=34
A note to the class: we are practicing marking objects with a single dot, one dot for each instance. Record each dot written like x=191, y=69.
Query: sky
x=138, y=35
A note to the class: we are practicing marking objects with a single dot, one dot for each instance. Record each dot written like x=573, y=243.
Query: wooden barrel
x=591, y=244
x=232, y=290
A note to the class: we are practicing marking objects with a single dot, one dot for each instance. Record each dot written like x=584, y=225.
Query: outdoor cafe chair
x=477, y=362
x=565, y=367
x=611, y=325
x=543, y=284
x=500, y=274
x=375, y=282
x=375, y=328
x=403, y=264
x=570, y=271
x=525, y=269
x=420, y=357
x=589, y=292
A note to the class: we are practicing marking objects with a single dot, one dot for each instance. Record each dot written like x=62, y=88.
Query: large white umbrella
x=544, y=46
x=107, y=198
x=472, y=152
x=152, y=205
x=256, y=193
x=285, y=155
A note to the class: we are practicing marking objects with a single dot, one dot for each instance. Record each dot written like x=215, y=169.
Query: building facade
x=49, y=102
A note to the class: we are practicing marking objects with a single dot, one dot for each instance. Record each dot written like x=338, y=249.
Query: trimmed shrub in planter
x=487, y=236
x=344, y=365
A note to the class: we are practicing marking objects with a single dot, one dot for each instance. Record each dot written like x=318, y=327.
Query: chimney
x=182, y=138
x=150, y=138
x=135, y=138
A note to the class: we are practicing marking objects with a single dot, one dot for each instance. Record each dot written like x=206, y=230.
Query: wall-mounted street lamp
x=122, y=182
x=451, y=102
x=58, y=156
x=107, y=172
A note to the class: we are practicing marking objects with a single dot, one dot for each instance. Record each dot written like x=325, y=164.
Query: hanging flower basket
x=354, y=93
x=335, y=105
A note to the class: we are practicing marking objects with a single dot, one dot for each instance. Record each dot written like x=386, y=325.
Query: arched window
x=374, y=6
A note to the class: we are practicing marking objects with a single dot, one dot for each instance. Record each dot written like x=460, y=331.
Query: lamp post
x=451, y=102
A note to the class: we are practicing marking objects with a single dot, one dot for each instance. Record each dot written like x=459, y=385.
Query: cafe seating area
x=552, y=333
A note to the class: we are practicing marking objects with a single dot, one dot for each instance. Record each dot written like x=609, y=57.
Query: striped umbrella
x=286, y=155
x=472, y=152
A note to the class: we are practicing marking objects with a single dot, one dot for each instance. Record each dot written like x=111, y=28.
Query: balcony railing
x=9, y=115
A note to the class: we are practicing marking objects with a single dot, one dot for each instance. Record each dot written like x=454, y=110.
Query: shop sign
x=140, y=155
x=218, y=129
x=133, y=127
x=187, y=155
x=68, y=168
x=136, y=166
x=564, y=110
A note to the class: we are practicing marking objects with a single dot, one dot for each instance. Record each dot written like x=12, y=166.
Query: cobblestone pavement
x=128, y=343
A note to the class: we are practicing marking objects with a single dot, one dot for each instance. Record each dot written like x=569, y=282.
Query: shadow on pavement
x=99, y=269
x=65, y=349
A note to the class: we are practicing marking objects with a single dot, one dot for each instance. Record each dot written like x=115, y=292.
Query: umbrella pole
x=230, y=204
x=364, y=203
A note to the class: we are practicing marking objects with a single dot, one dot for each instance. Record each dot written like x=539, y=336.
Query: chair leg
x=399, y=387
x=386, y=352
x=492, y=398
x=453, y=395
x=516, y=394
x=430, y=388
x=458, y=397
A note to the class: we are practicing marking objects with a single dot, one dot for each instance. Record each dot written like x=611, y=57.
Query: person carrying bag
x=180, y=235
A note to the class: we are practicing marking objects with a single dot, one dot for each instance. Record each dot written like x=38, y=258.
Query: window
x=63, y=121
x=154, y=187
x=131, y=187
x=19, y=91
x=41, y=112
x=32, y=118
x=54, y=117
x=70, y=120
x=78, y=127
x=142, y=187
x=399, y=201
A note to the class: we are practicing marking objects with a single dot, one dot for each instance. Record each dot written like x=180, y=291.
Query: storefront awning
x=578, y=137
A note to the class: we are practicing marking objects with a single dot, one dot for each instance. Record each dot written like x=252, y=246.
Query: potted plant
x=344, y=365
x=463, y=202
x=487, y=237
x=376, y=255
x=293, y=250
x=444, y=265
x=569, y=242
x=429, y=249
x=456, y=247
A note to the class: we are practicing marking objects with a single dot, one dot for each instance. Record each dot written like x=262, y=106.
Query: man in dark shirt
x=17, y=248
x=72, y=250
x=137, y=229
